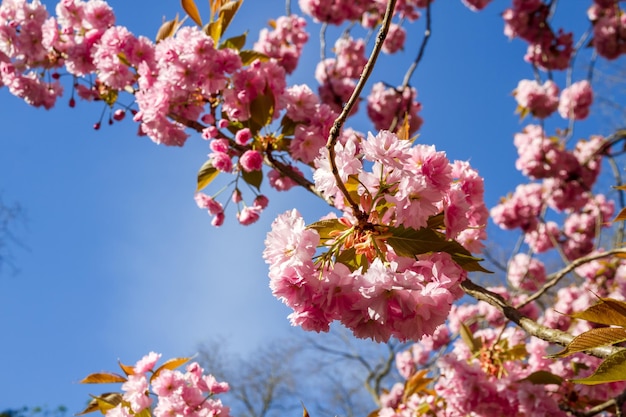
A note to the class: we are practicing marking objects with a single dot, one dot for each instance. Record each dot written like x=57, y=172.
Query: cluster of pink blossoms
x=188, y=394
x=609, y=28
x=528, y=21
x=567, y=179
x=393, y=295
x=285, y=42
x=541, y=100
x=384, y=104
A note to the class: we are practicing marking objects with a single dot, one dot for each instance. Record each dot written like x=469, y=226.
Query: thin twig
x=341, y=119
x=554, y=278
x=411, y=70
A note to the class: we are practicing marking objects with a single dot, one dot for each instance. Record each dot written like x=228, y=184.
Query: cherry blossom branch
x=414, y=64
x=341, y=119
x=530, y=326
x=554, y=278
x=284, y=169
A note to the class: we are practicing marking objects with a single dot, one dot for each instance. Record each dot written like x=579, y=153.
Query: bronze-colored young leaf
x=598, y=337
x=170, y=364
x=189, y=6
x=254, y=178
x=472, y=343
x=206, y=175
x=619, y=187
x=248, y=56
x=103, y=378
x=417, y=383
x=543, y=378
x=102, y=403
x=167, y=29
x=305, y=413
x=613, y=369
x=227, y=12
x=620, y=216
x=127, y=369
x=215, y=6
x=403, y=132
x=607, y=311
x=325, y=227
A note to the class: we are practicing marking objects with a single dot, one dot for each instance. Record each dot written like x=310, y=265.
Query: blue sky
x=118, y=259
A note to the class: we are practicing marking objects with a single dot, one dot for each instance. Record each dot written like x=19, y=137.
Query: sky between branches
x=119, y=261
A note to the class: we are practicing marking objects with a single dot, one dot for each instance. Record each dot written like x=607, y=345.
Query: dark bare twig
x=339, y=122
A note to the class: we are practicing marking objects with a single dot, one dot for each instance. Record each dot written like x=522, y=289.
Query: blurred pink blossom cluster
x=528, y=20
x=609, y=28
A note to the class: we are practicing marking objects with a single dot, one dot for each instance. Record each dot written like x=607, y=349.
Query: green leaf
x=248, y=56
x=189, y=6
x=236, y=42
x=287, y=126
x=409, y=242
x=436, y=221
x=598, y=337
x=254, y=178
x=613, y=369
x=352, y=260
x=543, y=378
x=607, y=311
x=262, y=108
x=325, y=227
x=103, y=378
x=206, y=175
x=171, y=365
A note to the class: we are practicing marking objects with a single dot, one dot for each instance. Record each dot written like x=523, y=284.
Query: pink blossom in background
x=541, y=100
x=476, y=5
x=526, y=273
x=285, y=42
x=384, y=103
x=395, y=39
x=576, y=101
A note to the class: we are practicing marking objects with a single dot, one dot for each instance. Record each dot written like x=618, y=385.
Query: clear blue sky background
x=118, y=259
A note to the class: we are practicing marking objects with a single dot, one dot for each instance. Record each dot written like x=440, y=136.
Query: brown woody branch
x=341, y=119
x=529, y=326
